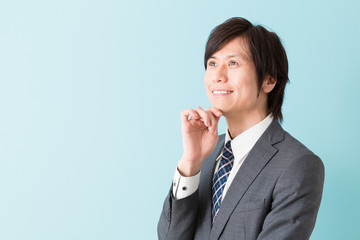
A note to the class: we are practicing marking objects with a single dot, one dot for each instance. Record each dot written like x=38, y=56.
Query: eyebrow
x=234, y=55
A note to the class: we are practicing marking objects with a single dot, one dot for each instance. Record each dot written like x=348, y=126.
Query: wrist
x=189, y=168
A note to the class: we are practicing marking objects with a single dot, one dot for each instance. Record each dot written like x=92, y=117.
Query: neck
x=240, y=122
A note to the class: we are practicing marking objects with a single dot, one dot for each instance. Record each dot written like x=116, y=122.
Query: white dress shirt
x=241, y=146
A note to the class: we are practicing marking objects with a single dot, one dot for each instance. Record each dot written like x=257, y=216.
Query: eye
x=233, y=63
x=212, y=63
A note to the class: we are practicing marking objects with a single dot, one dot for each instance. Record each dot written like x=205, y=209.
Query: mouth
x=221, y=92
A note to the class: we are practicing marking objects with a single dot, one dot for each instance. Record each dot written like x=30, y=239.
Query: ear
x=268, y=84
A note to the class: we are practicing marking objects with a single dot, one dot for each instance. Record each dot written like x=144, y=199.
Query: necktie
x=220, y=178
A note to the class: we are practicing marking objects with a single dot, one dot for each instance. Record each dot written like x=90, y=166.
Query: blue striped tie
x=220, y=178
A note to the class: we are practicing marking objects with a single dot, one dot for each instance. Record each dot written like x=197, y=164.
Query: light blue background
x=90, y=97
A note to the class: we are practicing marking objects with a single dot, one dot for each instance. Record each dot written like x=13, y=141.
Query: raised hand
x=199, y=137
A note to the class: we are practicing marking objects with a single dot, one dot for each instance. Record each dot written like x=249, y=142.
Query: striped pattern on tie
x=220, y=178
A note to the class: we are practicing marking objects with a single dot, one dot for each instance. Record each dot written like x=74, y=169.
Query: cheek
x=206, y=83
x=247, y=90
x=206, y=78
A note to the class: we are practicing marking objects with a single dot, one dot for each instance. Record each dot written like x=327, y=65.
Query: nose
x=221, y=74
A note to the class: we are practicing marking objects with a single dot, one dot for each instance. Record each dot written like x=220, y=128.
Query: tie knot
x=227, y=152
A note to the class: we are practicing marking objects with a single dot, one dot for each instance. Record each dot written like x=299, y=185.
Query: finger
x=216, y=112
x=208, y=117
x=216, y=115
x=205, y=116
x=189, y=112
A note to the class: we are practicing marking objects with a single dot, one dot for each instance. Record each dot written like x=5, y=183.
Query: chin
x=223, y=108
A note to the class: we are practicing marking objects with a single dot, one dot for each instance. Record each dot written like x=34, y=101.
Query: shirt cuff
x=184, y=186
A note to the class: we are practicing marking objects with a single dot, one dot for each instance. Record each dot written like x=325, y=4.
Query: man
x=256, y=181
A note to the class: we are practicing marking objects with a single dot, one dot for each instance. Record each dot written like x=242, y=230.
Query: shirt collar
x=243, y=143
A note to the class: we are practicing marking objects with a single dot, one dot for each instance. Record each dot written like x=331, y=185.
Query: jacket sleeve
x=296, y=200
x=178, y=217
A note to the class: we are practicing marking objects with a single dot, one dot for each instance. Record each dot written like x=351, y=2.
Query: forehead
x=237, y=47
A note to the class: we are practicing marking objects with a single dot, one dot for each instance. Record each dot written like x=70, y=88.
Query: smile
x=221, y=92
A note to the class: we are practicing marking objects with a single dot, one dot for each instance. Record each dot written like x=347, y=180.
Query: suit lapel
x=258, y=157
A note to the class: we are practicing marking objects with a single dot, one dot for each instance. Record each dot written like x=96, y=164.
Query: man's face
x=231, y=80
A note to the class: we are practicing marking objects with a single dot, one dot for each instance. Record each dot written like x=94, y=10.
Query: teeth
x=221, y=92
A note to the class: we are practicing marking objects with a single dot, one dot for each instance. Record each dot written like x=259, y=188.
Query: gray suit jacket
x=276, y=194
